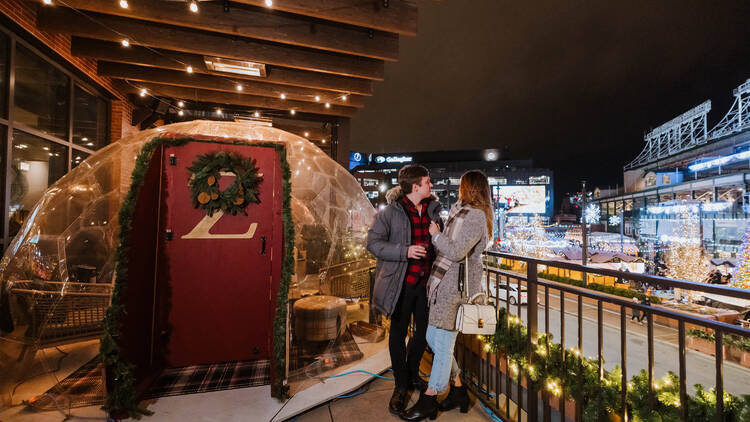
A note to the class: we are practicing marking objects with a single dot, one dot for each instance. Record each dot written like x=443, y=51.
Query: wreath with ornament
x=204, y=184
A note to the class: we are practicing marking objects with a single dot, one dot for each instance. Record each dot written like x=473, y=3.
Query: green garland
x=204, y=185
x=552, y=370
x=121, y=395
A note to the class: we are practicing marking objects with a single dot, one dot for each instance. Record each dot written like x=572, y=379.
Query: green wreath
x=204, y=184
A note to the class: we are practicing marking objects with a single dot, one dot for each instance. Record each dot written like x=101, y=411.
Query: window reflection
x=42, y=94
x=77, y=158
x=89, y=120
x=3, y=75
x=36, y=164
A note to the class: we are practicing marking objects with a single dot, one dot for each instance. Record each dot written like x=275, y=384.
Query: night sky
x=573, y=85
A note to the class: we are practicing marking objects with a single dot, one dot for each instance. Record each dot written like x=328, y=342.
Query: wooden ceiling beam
x=251, y=22
x=112, y=52
x=223, y=83
x=207, y=96
x=399, y=16
x=112, y=28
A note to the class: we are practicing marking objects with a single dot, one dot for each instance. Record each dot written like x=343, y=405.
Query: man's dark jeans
x=406, y=359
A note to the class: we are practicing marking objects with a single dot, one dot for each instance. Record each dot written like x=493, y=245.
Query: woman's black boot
x=426, y=407
x=457, y=397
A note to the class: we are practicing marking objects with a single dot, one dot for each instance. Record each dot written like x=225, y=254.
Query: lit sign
x=716, y=162
x=357, y=156
x=520, y=199
x=394, y=159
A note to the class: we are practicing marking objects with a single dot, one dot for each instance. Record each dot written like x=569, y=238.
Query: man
x=401, y=241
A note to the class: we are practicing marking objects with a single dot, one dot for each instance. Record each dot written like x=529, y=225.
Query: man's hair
x=409, y=175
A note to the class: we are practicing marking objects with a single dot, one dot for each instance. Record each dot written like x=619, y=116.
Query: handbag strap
x=464, y=290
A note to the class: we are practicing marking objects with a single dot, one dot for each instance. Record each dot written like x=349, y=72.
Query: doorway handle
x=262, y=245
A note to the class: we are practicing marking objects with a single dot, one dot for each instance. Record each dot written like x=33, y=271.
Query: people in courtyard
x=400, y=240
x=466, y=235
x=637, y=314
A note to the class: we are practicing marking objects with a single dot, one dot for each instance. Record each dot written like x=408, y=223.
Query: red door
x=219, y=269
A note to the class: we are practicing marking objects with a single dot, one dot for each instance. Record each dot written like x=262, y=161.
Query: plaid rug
x=211, y=377
x=322, y=356
x=84, y=387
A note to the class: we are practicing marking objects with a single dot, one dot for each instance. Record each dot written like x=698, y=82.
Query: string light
x=344, y=97
x=323, y=141
x=317, y=98
x=218, y=111
x=283, y=96
x=256, y=114
x=180, y=104
x=125, y=43
x=189, y=69
x=124, y=4
x=239, y=87
x=328, y=105
x=292, y=112
x=269, y=3
x=307, y=134
x=143, y=92
x=47, y=2
x=180, y=113
x=194, y=7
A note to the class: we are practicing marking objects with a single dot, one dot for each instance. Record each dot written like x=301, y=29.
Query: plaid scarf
x=441, y=265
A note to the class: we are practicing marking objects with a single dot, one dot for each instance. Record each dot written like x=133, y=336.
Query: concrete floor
x=372, y=405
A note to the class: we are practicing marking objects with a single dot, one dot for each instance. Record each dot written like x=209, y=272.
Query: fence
x=539, y=378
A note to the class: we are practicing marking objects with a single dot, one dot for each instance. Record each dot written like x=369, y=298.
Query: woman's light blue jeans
x=444, y=366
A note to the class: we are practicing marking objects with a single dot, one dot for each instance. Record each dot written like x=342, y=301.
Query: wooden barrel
x=319, y=318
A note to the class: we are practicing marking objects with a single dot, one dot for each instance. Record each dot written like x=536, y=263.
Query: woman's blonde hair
x=474, y=191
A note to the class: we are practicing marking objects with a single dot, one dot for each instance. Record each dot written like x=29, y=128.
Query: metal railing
x=488, y=373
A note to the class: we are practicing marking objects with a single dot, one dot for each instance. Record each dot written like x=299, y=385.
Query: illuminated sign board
x=380, y=159
x=521, y=199
x=721, y=161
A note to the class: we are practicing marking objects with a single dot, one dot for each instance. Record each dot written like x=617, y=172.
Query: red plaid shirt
x=418, y=270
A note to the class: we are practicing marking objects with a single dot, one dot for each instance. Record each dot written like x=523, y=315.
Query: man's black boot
x=399, y=399
x=426, y=407
x=457, y=397
x=418, y=384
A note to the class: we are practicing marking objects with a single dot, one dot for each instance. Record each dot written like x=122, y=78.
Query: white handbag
x=473, y=318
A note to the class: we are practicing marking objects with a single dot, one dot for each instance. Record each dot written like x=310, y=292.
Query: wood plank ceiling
x=322, y=56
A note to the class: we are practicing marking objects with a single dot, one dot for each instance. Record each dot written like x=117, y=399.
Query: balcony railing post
x=532, y=314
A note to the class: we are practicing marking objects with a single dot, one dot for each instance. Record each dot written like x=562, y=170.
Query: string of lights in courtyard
x=127, y=40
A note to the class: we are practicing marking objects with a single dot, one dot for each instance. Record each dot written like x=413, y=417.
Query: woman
x=466, y=234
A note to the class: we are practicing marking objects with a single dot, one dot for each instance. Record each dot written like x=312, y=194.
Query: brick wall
x=24, y=13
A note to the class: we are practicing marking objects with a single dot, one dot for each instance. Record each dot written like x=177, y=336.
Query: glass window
x=77, y=158
x=42, y=94
x=89, y=120
x=3, y=75
x=36, y=164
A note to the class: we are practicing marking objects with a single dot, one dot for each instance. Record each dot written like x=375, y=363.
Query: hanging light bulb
x=256, y=114
x=194, y=7
x=218, y=111
x=328, y=105
x=344, y=97
x=323, y=141
x=180, y=104
x=239, y=87
x=307, y=134
x=125, y=43
x=189, y=69
x=47, y=2
x=180, y=113
x=143, y=92
x=317, y=98
x=283, y=96
x=124, y=4
x=292, y=112
x=269, y=3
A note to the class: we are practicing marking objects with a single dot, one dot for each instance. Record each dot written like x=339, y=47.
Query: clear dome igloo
x=66, y=247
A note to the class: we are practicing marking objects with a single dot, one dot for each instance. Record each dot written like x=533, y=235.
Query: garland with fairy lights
x=555, y=369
